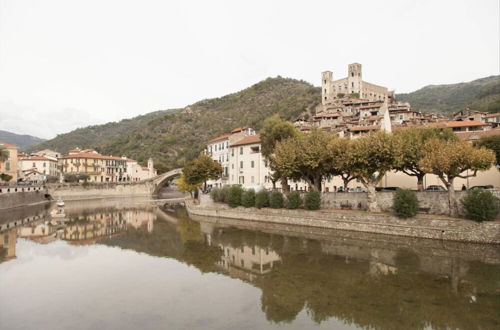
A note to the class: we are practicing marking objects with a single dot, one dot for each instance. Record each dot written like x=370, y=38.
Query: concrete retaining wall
x=19, y=198
x=68, y=191
x=433, y=227
x=433, y=202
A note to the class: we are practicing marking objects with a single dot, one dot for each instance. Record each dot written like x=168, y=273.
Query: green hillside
x=173, y=136
x=481, y=94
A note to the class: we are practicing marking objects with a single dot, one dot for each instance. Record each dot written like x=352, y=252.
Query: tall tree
x=453, y=159
x=201, y=169
x=183, y=186
x=412, y=141
x=275, y=130
x=305, y=157
x=492, y=143
x=340, y=153
x=373, y=155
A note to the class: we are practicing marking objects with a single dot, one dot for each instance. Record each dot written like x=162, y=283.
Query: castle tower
x=354, y=79
x=150, y=168
x=326, y=87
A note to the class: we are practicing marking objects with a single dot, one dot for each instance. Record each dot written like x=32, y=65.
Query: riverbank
x=422, y=226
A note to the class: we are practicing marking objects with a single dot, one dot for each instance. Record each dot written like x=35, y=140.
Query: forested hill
x=22, y=141
x=173, y=136
x=481, y=94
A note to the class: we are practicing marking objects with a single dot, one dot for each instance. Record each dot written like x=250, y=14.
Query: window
x=252, y=164
x=241, y=164
x=241, y=150
x=215, y=147
x=232, y=166
x=241, y=180
x=232, y=152
x=352, y=85
x=352, y=74
x=325, y=90
x=34, y=165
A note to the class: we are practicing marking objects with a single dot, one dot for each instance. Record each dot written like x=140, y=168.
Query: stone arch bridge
x=158, y=182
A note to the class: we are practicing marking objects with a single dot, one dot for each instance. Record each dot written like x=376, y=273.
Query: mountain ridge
x=20, y=140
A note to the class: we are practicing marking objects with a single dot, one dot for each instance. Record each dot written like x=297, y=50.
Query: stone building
x=332, y=90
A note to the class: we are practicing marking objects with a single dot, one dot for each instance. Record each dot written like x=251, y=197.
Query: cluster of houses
x=46, y=165
x=350, y=107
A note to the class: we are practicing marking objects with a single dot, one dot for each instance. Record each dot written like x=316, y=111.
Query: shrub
x=248, y=198
x=312, y=200
x=294, y=201
x=405, y=203
x=224, y=194
x=481, y=205
x=234, y=196
x=276, y=200
x=262, y=199
x=216, y=195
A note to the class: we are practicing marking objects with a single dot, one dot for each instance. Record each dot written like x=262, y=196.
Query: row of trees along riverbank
x=312, y=156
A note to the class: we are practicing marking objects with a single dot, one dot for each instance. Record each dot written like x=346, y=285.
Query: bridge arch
x=159, y=181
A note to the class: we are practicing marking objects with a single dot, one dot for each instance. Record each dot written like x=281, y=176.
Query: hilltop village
x=349, y=108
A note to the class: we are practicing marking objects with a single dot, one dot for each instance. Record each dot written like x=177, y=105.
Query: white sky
x=66, y=64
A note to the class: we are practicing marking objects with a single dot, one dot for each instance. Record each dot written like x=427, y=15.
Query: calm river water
x=131, y=265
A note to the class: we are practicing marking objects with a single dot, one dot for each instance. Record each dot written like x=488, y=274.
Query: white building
x=247, y=166
x=218, y=149
x=37, y=166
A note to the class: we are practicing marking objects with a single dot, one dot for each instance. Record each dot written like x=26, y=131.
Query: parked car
x=435, y=188
x=387, y=188
x=485, y=187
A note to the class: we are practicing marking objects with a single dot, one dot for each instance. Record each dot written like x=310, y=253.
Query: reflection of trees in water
x=328, y=285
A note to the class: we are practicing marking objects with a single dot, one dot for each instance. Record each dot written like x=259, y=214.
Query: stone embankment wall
x=73, y=191
x=433, y=227
x=433, y=202
x=12, y=197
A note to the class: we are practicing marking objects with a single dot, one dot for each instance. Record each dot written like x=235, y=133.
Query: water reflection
x=362, y=280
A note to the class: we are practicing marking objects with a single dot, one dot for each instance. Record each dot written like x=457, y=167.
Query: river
x=129, y=264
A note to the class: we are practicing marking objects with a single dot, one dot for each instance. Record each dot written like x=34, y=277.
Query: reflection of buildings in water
x=137, y=219
x=40, y=231
x=7, y=245
x=248, y=261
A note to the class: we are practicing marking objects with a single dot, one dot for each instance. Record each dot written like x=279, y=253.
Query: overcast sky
x=66, y=64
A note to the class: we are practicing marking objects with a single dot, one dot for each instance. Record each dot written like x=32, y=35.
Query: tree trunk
x=284, y=185
x=196, y=193
x=420, y=182
x=451, y=198
x=372, y=198
x=274, y=184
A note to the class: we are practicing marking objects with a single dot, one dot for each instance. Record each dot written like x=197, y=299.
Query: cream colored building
x=136, y=172
x=99, y=168
x=9, y=166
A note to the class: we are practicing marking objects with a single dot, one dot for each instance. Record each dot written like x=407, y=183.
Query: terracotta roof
x=222, y=137
x=476, y=135
x=239, y=129
x=492, y=115
x=371, y=118
x=7, y=145
x=452, y=124
x=247, y=140
x=327, y=115
x=371, y=106
x=364, y=128
x=92, y=156
x=37, y=158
